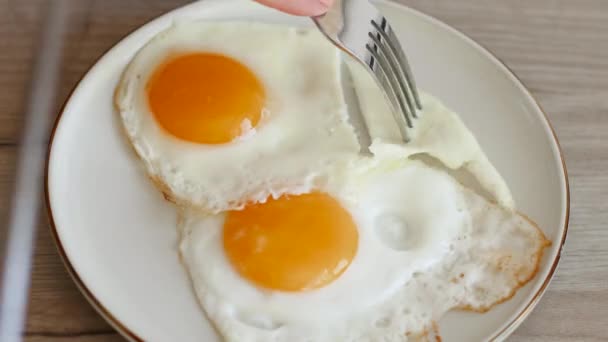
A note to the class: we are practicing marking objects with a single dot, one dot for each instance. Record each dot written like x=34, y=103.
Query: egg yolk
x=205, y=98
x=292, y=243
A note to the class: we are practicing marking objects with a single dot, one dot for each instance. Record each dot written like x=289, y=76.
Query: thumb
x=299, y=7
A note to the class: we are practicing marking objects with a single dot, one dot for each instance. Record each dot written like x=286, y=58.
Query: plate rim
x=130, y=335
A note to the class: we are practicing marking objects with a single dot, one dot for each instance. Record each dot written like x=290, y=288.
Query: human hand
x=299, y=7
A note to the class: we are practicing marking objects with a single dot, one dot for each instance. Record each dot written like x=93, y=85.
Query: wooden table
x=559, y=48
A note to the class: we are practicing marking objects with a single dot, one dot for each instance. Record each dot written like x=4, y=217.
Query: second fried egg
x=378, y=258
x=320, y=265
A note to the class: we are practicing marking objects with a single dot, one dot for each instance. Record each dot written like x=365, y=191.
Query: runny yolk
x=205, y=98
x=292, y=243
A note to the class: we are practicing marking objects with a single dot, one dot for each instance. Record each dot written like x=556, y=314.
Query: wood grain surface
x=559, y=48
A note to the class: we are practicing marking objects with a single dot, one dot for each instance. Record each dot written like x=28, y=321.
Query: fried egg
x=382, y=255
x=225, y=113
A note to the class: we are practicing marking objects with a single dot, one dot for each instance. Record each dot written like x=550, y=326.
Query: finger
x=299, y=7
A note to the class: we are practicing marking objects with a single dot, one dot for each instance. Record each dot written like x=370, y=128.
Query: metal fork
x=358, y=28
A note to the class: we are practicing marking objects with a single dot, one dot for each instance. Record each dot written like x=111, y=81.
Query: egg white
x=303, y=132
x=452, y=248
x=438, y=132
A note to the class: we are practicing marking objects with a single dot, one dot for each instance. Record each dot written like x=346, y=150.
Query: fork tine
x=396, y=72
x=389, y=36
x=401, y=122
x=383, y=72
x=381, y=76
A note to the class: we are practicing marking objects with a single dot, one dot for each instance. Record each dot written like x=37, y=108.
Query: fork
x=358, y=28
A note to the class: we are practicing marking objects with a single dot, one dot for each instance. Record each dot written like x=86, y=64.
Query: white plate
x=117, y=235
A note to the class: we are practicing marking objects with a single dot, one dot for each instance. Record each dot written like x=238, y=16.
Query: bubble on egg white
x=392, y=229
x=383, y=322
x=247, y=130
x=265, y=113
